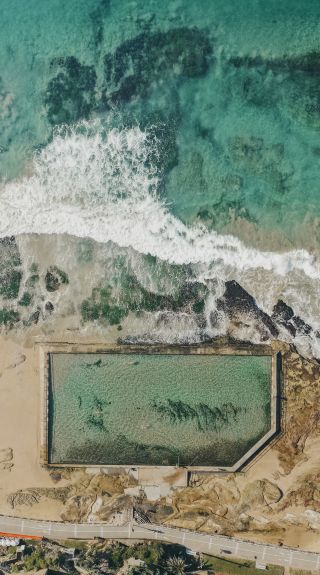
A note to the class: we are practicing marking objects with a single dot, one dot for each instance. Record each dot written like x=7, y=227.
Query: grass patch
x=239, y=567
x=301, y=572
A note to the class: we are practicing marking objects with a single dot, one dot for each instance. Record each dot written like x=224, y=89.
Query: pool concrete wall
x=45, y=349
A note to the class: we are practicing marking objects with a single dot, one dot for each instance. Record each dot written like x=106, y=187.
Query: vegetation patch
x=26, y=299
x=133, y=297
x=207, y=418
x=10, y=271
x=9, y=317
x=239, y=567
x=101, y=305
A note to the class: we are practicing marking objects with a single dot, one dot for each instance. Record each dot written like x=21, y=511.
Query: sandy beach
x=270, y=492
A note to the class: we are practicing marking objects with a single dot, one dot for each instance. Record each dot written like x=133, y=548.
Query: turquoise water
x=157, y=409
x=246, y=137
x=180, y=139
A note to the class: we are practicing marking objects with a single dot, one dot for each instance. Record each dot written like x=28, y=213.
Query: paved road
x=212, y=544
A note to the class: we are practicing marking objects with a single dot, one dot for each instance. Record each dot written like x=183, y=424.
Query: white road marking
x=269, y=553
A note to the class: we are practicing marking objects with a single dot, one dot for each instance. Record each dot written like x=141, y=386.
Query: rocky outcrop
x=260, y=493
x=244, y=320
x=284, y=315
x=79, y=497
x=240, y=307
x=132, y=70
x=55, y=278
x=76, y=508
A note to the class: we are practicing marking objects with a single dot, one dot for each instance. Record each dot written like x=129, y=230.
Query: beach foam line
x=90, y=182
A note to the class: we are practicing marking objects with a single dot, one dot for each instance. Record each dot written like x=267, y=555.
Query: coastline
x=281, y=471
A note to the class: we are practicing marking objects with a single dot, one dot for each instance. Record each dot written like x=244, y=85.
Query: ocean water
x=179, y=138
x=157, y=409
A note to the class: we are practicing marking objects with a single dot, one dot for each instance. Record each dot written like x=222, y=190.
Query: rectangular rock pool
x=137, y=409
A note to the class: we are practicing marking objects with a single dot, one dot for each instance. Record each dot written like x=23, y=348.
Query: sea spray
x=99, y=183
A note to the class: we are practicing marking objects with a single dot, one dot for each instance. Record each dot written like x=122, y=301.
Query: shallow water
x=185, y=121
x=160, y=410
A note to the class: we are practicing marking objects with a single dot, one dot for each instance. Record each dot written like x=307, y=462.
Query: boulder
x=237, y=304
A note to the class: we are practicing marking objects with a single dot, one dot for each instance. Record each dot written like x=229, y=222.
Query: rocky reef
x=244, y=316
x=154, y=56
x=70, y=94
x=113, y=305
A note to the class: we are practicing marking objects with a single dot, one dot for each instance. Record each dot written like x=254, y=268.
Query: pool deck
x=205, y=349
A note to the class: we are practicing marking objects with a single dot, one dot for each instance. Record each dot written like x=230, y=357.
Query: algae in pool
x=131, y=409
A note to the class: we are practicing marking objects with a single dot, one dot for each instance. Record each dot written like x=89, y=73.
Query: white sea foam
x=89, y=182
x=95, y=184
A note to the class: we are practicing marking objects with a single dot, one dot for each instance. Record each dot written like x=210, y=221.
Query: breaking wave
x=99, y=183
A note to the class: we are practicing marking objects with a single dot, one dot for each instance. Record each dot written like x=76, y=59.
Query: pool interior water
x=131, y=409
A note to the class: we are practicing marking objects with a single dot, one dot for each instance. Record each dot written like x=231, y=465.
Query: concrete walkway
x=211, y=544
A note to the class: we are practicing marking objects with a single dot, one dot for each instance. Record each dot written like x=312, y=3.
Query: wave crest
x=99, y=183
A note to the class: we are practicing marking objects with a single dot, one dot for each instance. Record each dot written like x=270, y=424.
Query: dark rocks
x=140, y=61
x=244, y=314
x=307, y=63
x=49, y=307
x=284, y=315
x=55, y=476
x=70, y=95
x=55, y=278
x=238, y=304
x=35, y=316
x=282, y=312
x=302, y=327
x=301, y=74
